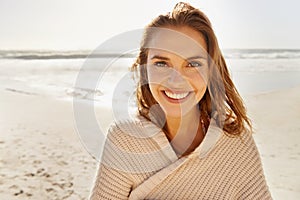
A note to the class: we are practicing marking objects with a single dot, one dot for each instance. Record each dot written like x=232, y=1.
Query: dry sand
x=276, y=117
x=42, y=156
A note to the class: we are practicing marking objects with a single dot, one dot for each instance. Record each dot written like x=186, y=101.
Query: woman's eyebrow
x=159, y=57
x=165, y=58
x=196, y=57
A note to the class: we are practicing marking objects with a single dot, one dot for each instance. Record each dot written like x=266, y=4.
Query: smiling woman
x=191, y=138
x=178, y=84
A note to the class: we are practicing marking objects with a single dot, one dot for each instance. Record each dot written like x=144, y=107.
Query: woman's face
x=177, y=69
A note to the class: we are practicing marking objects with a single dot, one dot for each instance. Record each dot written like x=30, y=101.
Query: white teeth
x=176, y=96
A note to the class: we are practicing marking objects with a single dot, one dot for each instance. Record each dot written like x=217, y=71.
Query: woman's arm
x=110, y=184
x=254, y=185
x=112, y=181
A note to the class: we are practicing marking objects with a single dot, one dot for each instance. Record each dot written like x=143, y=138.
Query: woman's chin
x=175, y=112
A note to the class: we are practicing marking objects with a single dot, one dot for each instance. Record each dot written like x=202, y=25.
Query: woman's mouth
x=177, y=97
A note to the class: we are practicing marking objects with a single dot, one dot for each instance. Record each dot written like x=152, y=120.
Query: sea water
x=57, y=74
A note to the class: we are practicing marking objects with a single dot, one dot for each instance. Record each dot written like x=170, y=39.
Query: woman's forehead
x=164, y=54
x=184, y=41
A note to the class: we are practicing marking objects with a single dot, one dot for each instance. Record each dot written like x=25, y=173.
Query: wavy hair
x=221, y=95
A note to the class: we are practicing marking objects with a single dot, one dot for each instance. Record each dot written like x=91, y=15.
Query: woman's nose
x=175, y=78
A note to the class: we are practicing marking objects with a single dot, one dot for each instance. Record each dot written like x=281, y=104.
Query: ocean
x=56, y=73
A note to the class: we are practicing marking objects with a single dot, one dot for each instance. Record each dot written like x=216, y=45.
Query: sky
x=85, y=24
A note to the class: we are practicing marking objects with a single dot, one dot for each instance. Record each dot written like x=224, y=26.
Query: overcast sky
x=85, y=24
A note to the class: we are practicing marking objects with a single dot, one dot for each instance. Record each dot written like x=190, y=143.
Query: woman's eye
x=194, y=64
x=161, y=64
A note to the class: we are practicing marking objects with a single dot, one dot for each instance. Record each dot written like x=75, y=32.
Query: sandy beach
x=42, y=156
x=275, y=117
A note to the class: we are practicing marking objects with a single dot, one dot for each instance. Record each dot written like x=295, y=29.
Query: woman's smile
x=175, y=97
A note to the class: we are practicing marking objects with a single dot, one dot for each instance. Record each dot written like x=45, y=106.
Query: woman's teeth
x=176, y=95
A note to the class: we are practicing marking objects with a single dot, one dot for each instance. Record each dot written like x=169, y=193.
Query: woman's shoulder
x=246, y=138
x=132, y=133
x=242, y=147
x=137, y=126
x=134, y=146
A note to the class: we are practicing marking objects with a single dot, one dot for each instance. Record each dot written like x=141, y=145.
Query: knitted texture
x=138, y=162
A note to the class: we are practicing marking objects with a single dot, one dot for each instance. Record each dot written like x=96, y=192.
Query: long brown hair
x=221, y=95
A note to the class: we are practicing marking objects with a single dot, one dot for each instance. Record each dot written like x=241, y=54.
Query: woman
x=192, y=137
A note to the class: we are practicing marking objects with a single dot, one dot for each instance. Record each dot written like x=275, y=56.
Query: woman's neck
x=185, y=133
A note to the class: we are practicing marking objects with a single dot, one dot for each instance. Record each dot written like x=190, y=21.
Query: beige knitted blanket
x=138, y=162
